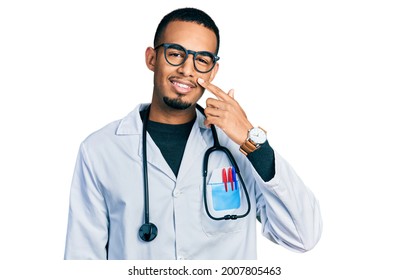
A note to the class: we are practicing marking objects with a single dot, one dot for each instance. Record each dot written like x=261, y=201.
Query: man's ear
x=150, y=58
x=214, y=72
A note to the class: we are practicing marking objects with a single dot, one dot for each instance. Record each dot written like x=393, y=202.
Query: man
x=121, y=208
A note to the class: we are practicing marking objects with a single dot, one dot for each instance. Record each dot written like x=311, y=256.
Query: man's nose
x=188, y=67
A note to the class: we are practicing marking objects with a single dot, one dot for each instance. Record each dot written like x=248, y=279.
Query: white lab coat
x=107, y=201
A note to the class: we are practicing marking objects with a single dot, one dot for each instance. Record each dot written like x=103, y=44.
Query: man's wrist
x=256, y=136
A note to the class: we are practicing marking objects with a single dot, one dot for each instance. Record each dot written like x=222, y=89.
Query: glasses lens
x=175, y=55
x=204, y=61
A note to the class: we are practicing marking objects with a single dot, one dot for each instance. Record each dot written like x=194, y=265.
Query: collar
x=132, y=123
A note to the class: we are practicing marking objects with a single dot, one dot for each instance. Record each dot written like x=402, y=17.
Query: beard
x=176, y=103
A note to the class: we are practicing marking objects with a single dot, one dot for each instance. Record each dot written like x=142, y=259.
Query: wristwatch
x=255, y=137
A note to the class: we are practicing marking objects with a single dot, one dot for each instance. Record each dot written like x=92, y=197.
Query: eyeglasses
x=176, y=55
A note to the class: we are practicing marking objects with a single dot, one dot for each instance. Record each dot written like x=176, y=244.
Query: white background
x=327, y=79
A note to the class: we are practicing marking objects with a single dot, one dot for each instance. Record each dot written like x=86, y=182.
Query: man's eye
x=203, y=60
x=175, y=54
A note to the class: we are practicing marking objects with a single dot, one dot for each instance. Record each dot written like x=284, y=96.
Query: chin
x=177, y=103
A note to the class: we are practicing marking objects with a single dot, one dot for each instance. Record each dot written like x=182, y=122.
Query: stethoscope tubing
x=218, y=147
x=148, y=231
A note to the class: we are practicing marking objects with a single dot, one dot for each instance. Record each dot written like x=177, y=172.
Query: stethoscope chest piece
x=148, y=232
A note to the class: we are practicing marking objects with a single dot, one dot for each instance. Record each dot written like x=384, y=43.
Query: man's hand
x=226, y=113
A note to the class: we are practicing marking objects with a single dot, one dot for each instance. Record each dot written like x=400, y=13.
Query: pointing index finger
x=213, y=89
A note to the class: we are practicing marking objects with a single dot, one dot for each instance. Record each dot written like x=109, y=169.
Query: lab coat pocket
x=223, y=198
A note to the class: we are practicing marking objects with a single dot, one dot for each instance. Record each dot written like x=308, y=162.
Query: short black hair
x=188, y=15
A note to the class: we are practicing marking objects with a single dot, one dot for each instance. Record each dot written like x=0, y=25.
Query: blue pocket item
x=225, y=200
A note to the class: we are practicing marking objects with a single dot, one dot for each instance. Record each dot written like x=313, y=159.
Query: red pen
x=230, y=179
x=224, y=177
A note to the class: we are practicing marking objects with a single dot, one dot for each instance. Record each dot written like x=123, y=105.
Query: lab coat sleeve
x=288, y=210
x=87, y=232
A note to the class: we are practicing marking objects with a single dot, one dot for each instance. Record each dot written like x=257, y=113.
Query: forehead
x=191, y=35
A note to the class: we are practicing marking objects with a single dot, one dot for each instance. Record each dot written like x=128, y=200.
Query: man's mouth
x=182, y=86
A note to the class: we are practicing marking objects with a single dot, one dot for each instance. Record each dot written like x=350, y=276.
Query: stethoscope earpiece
x=148, y=232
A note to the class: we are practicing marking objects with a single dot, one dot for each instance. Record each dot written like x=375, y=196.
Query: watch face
x=258, y=135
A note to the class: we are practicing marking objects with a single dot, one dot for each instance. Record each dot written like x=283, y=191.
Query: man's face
x=176, y=87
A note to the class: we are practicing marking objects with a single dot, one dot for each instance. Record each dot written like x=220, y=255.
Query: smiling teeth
x=181, y=85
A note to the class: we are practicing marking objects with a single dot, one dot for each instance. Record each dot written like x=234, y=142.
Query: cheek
x=163, y=70
x=206, y=76
x=160, y=75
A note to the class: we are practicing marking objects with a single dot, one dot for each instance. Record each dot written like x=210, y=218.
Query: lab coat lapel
x=156, y=159
x=195, y=148
x=132, y=125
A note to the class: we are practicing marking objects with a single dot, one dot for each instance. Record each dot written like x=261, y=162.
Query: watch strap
x=248, y=147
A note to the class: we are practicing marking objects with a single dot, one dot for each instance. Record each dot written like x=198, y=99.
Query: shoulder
x=113, y=132
x=103, y=133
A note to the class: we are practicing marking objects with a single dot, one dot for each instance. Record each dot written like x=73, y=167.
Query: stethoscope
x=148, y=231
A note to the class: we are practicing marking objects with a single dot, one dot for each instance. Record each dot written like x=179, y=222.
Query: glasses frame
x=187, y=52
